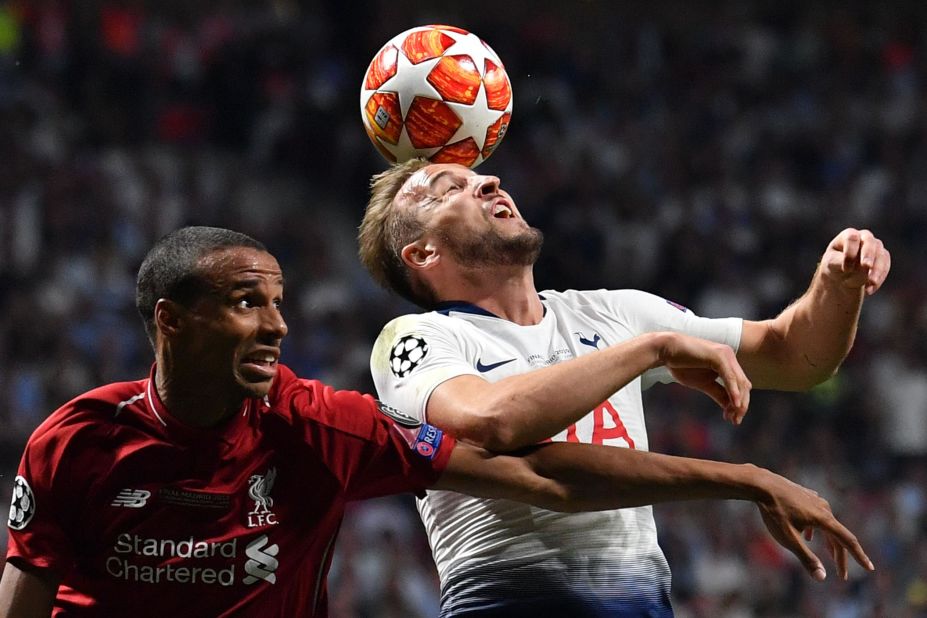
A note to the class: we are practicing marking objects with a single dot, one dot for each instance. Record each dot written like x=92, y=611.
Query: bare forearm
x=571, y=477
x=530, y=407
x=577, y=477
x=527, y=408
x=26, y=594
x=806, y=343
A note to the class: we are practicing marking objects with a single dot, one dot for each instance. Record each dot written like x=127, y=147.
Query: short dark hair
x=171, y=268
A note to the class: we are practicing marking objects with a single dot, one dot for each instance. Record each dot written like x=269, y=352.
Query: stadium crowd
x=704, y=154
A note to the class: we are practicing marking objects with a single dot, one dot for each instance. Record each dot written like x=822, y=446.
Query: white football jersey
x=498, y=554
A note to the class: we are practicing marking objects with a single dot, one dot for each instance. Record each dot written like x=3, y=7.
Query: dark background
x=705, y=153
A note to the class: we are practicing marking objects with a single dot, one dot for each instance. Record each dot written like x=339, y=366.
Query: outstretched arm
x=805, y=344
x=25, y=594
x=531, y=407
x=573, y=477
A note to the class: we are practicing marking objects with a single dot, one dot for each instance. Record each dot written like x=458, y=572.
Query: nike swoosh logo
x=484, y=368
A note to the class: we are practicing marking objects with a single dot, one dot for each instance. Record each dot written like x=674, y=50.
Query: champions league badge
x=23, y=507
x=407, y=354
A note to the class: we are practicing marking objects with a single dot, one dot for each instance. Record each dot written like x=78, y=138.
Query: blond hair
x=385, y=230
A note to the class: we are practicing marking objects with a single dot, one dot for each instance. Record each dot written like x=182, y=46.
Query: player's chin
x=256, y=384
x=257, y=390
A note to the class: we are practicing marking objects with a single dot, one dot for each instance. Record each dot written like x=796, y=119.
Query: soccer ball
x=437, y=92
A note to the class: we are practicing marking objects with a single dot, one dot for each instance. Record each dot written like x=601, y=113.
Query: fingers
x=882, y=263
x=730, y=411
x=851, y=249
x=794, y=514
x=839, y=553
x=792, y=541
x=697, y=363
x=860, y=257
x=875, y=258
x=706, y=381
x=845, y=541
x=737, y=385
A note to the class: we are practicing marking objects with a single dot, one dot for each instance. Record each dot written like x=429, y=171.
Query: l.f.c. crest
x=259, y=488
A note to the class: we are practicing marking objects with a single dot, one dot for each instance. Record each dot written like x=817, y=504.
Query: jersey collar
x=462, y=306
x=175, y=427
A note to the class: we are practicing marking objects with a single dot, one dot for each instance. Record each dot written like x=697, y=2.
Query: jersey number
x=600, y=432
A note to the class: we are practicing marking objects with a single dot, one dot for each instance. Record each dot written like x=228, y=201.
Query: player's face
x=471, y=215
x=236, y=328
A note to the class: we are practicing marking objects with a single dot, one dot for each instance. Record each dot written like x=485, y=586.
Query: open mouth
x=262, y=364
x=502, y=211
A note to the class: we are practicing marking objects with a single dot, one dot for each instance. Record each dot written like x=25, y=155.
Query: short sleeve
x=413, y=356
x=363, y=447
x=645, y=312
x=38, y=534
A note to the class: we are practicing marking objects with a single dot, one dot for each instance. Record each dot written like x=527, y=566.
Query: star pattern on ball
x=475, y=119
x=471, y=45
x=411, y=77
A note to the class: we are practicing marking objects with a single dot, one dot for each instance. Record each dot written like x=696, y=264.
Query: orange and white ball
x=437, y=92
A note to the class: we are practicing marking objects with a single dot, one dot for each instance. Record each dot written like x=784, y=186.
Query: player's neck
x=510, y=295
x=188, y=399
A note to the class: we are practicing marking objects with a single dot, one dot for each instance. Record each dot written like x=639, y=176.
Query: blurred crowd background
x=704, y=152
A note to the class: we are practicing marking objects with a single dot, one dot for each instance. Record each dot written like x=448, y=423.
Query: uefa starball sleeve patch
x=23, y=506
x=398, y=416
x=406, y=354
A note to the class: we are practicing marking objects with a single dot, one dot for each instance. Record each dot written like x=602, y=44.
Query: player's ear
x=420, y=255
x=168, y=317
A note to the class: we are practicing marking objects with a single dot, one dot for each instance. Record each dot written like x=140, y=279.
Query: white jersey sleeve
x=645, y=312
x=413, y=355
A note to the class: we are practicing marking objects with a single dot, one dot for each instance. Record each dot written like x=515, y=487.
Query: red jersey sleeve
x=366, y=450
x=38, y=522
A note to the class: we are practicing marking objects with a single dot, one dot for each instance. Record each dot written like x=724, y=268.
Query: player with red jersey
x=115, y=489
x=216, y=486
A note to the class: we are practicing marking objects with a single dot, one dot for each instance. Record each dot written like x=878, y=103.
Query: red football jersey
x=135, y=510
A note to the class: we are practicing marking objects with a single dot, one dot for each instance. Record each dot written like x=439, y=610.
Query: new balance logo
x=484, y=368
x=131, y=498
x=262, y=562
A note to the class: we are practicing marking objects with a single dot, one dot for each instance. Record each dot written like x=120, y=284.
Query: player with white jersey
x=503, y=550
x=497, y=363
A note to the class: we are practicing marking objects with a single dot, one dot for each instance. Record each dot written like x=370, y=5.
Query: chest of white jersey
x=523, y=548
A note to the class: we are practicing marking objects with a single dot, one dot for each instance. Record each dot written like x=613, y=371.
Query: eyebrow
x=253, y=282
x=461, y=175
x=434, y=179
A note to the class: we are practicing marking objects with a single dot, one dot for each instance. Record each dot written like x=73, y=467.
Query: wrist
x=658, y=348
x=756, y=483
